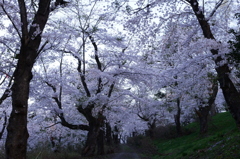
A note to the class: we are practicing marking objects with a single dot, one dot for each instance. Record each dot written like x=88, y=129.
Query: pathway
x=128, y=153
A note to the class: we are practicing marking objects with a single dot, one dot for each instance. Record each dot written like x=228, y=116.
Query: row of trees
x=113, y=67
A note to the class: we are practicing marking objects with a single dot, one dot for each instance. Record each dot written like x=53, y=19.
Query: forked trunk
x=16, y=142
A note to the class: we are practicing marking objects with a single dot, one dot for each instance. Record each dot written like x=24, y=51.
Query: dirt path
x=127, y=153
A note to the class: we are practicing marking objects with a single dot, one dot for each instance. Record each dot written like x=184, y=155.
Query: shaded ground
x=122, y=152
x=125, y=152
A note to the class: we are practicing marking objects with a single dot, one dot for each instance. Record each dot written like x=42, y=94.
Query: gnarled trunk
x=91, y=143
x=95, y=137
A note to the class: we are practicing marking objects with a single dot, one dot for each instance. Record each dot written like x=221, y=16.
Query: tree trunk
x=108, y=134
x=151, y=129
x=116, y=137
x=95, y=136
x=177, y=118
x=91, y=143
x=109, y=139
x=100, y=142
x=213, y=110
x=202, y=113
x=231, y=95
x=95, y=140
x=16, y=142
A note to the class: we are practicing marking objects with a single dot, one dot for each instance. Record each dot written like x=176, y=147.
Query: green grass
x=221, y=141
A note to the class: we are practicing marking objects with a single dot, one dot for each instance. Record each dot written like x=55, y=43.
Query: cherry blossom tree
x=94, y=79
x=28, y=27
x=229, y=89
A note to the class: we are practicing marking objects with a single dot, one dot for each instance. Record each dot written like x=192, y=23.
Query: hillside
x=222, y=141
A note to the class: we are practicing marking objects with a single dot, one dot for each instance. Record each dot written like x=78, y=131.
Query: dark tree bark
x=203, y=111
x=151, y=129
x=151, y=124
x=108, y=134
x=177, y=118
x=116, y=139
x=231, y=95
x=109, y=139
x=100, y=142
x=213, y=110
x=16, y=142
x=91, y=143
x=95, y=136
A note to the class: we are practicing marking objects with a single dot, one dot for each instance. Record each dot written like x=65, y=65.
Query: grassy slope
x=222, y=141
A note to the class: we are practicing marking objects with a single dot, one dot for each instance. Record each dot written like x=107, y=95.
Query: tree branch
x=14, y=25
x=4, y=125
x=215, y=9
x=111, y=90
x=24, y=22
x=99, y=65
x=71, y=126
x=82, y=75
x=61, y=116
x=7, y=92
